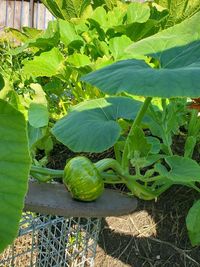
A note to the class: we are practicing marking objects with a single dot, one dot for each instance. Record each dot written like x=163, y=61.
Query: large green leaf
x=117, y=46
x=66, y=9
x=179, y=10
x=92, y=125
x=46, y=64
x=193, y=225
x=182, y=170
x=137, y=12
x=177, y=76
x=68, y=32
x=14, y=171
x=44, y=40
x=181, y=34
x=38, y=115
x=78, y=60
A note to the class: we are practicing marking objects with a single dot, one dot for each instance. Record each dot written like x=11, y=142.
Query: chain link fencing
x=53, y=241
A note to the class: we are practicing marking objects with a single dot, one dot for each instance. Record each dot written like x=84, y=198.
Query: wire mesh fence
x=53, y=241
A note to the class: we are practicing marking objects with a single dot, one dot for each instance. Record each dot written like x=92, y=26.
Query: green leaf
x=110, y=3
x=179, y=10
x=2, y=83
x=117, y=46
x=31, y=32
x=38, y=115
x=66, y=9
x=100, y=16
x=138, y=144
x=192, y=223
x=18, y=35
x=45, y=40
x=92, y=126
x=183, y=170
x=46, y=64
x=155, y=144
x=116, y=15
x=137, y=12
x=79, y=60
x=181, y=34
x=68, y=32
x=75, y=8
x=178, y=75
x=25, y=35
x=14, y=171
x=35, y=134
x=189, y=146
x=138, y=30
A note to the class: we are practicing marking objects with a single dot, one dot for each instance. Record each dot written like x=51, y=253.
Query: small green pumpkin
x=82, y=179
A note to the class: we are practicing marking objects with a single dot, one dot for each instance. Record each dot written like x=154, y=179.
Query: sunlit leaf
x=137, y=12
x=178, y=75
x=117, y=46
x=46, y=64
x=179, y=10
x=14, y=171
x=181, y=34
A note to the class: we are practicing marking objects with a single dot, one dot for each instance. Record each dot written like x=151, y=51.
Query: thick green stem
x=46, y=171
x=137, y=122
x=109, y=163
x=117, y=153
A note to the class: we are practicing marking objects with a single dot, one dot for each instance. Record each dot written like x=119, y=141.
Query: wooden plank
x=15, y=14
x=2, y=14
x=54, y=199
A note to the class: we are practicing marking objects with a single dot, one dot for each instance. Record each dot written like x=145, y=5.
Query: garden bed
x=154, y=234
x=122, y=92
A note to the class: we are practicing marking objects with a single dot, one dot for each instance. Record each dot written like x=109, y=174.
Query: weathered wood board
x=17, y=14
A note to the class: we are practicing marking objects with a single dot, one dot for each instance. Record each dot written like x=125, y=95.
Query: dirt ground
x=154, y=235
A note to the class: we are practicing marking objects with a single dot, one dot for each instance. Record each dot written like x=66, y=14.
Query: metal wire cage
x=53, y=241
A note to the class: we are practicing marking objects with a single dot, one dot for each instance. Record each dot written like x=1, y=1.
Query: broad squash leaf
x=38, y=115
x=44, y=40
x=46, y=64
x=138, y=144
x=92, y=126
x=117, y=46
x=68, y=32
x=193, y=225
x=14, y=171
x=182, y=170
x=137, y=12
x=66, y=9
x=179, y=10
x=181, y=34
x=79, y=60
x=178, y=75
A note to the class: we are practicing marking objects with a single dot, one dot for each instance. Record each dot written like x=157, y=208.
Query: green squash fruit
x=82, y=179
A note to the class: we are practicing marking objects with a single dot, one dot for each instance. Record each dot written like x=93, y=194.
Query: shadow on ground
x=154, y=235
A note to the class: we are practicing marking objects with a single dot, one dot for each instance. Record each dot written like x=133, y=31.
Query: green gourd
x=83, y=179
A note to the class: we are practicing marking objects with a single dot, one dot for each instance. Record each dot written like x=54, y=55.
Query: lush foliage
x=101, y=76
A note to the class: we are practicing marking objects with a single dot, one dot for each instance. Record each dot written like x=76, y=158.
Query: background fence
x=16, y=14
